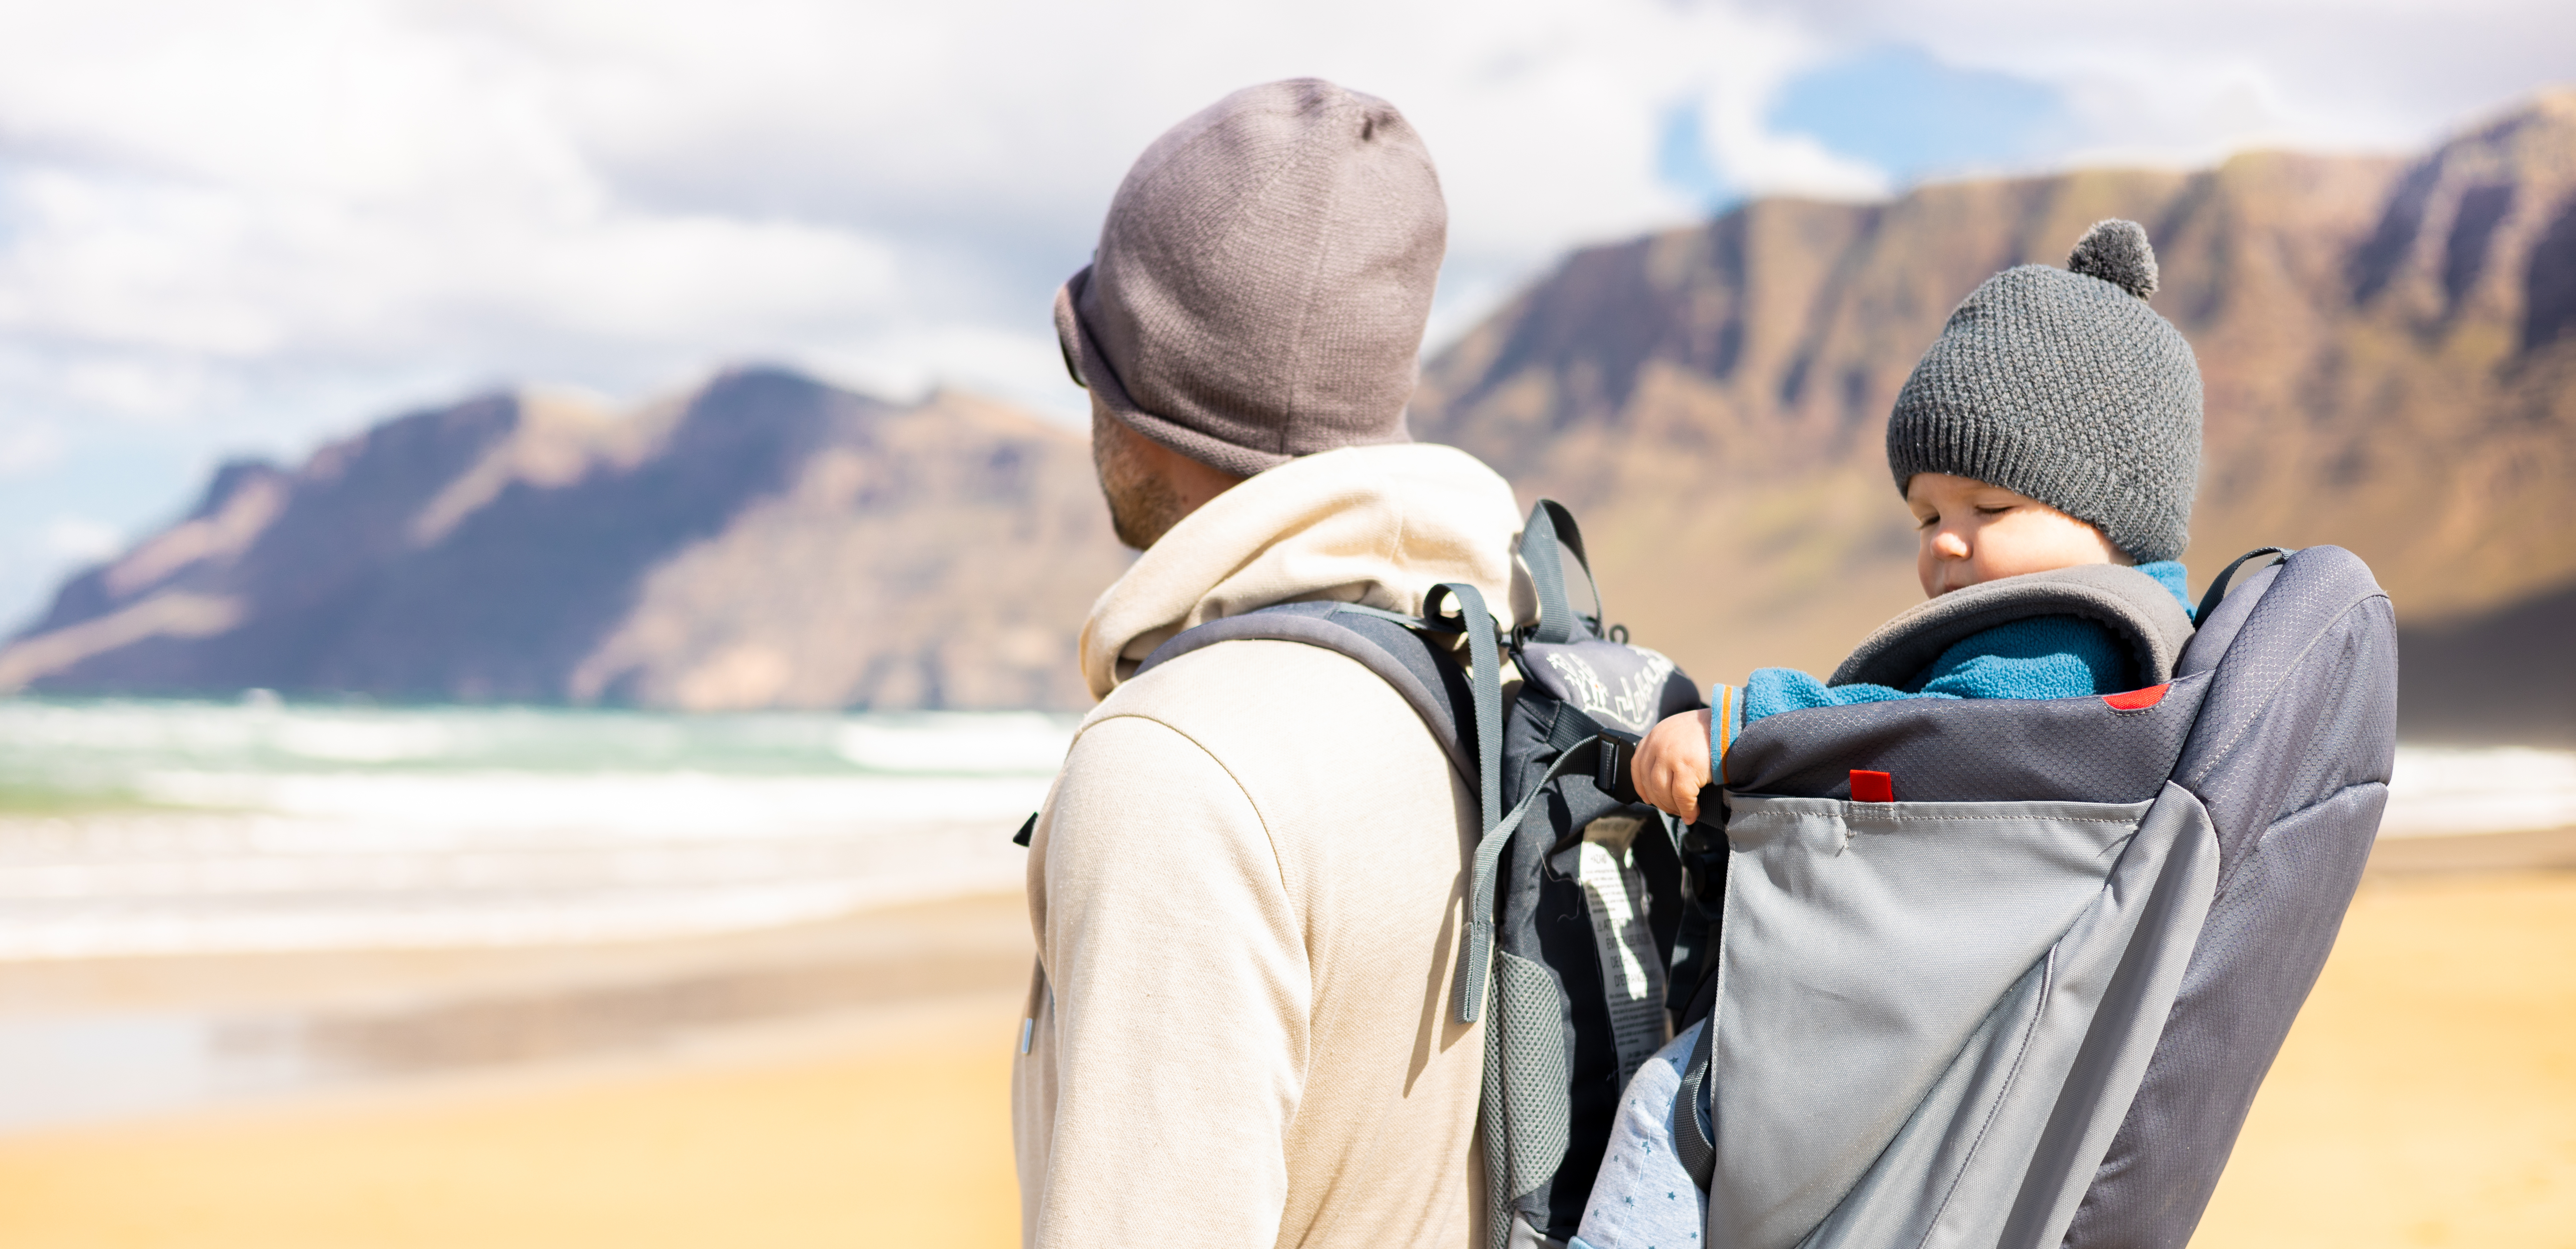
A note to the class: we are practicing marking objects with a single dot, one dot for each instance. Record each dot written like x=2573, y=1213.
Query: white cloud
x=29, y=448
x=618, y=192
x=248, y=223
x=78, y=539
x=2190, y=79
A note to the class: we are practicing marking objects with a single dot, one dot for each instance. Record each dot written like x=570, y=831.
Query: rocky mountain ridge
x=2388, y=346
x=2388, y=349
x=768, y=541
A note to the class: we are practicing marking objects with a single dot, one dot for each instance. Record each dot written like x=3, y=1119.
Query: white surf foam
x=2438, y=792
x=199, y=828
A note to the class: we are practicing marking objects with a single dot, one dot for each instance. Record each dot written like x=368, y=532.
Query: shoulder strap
x=1385, y=643
x=1393, y=646
x=2217, y=592
x=2132, y=603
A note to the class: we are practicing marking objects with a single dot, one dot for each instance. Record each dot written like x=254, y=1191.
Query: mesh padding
x=1491, y=1128
x=1533, y=1071
x=2209, y=644
x=2291, y=756
x=2304, y=704
x=2260, y=950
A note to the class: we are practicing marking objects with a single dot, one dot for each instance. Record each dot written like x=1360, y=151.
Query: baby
x=2054, y=423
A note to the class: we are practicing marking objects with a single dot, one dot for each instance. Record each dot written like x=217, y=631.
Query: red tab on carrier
x=2138, y=700
x=1872, y=786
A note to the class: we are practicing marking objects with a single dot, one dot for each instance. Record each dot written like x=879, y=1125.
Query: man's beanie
x=1263, y=278
x=2065, y=386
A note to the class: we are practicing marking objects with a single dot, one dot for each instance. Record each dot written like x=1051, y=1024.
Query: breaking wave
x=135, y=828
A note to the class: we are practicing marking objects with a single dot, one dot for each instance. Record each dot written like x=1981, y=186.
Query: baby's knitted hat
x=2062, y=384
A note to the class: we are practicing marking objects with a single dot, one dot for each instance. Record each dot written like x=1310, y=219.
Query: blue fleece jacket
x=2042, y=657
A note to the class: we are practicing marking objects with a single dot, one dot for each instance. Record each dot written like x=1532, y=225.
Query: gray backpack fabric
x=1575, y=893
x=2025, y=1003
x=2028, y=1002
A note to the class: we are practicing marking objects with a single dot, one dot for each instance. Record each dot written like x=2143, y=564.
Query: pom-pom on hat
x=2062, y=384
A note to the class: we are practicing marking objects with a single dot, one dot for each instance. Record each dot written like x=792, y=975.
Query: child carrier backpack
x=1577, y=892
x=2008, y=973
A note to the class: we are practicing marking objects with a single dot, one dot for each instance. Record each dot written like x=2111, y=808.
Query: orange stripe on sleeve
x=1725, y=728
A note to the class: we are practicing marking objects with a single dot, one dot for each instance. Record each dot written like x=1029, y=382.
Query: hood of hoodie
x=1377, y=526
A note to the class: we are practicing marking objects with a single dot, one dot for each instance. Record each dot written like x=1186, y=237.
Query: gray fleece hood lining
x=2134, y=605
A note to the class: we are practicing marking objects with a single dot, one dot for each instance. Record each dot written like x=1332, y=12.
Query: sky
x=245, y=227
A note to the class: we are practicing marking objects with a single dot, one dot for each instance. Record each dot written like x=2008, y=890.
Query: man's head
x=1259, y=291
x=2062, y=388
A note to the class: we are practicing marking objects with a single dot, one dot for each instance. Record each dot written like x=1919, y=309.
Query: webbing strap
x=1550, y=529
x=1424, y=623
x=2218, y=589
x=1485, y=683
x=1477, y=960
x=1690, y=1140
x=1485, y=687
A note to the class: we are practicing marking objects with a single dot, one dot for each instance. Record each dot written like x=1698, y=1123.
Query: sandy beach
x=2426, y=1098
x=727, y=1108
x=899, y=1135
x=2427, y=1095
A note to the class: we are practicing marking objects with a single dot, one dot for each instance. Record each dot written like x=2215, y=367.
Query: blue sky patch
x=1681, y=157
x=1910, y=115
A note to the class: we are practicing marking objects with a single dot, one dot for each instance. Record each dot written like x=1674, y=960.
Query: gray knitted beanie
x=1263, y=279
x=2065, y=386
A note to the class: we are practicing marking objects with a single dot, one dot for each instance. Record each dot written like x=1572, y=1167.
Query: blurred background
x=541, y=543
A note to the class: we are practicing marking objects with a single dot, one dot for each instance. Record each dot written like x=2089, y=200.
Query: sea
x=169, y=829
x=133, y=827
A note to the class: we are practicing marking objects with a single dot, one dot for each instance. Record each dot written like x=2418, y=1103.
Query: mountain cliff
x=767, y=542
x=2389, y=350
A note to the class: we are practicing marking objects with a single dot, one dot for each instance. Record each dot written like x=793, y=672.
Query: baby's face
x=1971, y=532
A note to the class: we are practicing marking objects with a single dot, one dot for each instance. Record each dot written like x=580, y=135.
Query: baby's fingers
x=1675, y=794
x=1665, y=785
x=1672, y=764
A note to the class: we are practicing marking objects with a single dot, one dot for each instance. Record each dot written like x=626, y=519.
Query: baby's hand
x=1672, y=764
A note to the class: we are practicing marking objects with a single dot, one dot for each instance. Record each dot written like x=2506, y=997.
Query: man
x=1248, y=884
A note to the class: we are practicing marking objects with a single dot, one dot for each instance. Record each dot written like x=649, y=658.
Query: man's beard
x=1142, y=505
x=1143, y=512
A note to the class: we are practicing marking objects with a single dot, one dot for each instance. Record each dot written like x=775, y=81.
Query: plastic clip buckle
x=1610, y=766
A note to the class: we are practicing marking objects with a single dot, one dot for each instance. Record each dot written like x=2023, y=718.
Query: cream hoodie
x=1247, y=889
